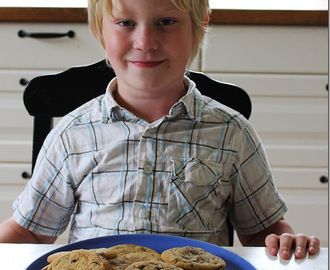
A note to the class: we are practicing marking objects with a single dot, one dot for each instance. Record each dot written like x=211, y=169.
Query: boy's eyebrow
x=117, y=8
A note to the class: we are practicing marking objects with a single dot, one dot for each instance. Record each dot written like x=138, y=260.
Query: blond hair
x=198, y=9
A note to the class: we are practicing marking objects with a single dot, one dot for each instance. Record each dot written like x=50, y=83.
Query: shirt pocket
x=194, y=193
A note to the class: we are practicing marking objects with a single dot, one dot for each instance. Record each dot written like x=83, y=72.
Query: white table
x=19, y=256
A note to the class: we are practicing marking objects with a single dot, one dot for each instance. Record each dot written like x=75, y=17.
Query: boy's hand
x=284, y=243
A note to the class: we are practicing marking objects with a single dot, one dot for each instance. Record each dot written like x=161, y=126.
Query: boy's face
x=148, y=44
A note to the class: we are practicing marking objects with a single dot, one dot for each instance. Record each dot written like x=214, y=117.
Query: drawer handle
x=22, y=34
x=26, y=175
x=324, y=179
x=24, y=81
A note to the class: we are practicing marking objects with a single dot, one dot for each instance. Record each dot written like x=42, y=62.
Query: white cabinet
x=284, y=70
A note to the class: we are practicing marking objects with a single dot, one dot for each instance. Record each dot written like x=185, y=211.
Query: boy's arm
x=280, y=238
x=11, y=232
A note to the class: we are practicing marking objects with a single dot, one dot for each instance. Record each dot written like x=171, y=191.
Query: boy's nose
x=145, y=40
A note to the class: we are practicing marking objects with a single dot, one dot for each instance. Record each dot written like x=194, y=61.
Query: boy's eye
x=166, y=22
x=125, y=23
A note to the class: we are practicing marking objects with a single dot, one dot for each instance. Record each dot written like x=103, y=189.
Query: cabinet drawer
x=15, y=151
x=266, y=49
x=11, y=79
x=58, y=53
x=279, y=85
x=13, y=115
x=290, y=115
x=298, y=156
x=300, y=178
x=11, y=174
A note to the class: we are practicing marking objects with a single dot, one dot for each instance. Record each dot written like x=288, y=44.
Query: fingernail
x=311, y=250
x=285, y=254
x=299, y=253
x=273, y=251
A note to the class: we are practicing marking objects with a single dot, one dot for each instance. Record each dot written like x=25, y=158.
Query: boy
x=153, y=155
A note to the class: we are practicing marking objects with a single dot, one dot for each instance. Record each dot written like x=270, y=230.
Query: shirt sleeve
x=256, y=203
x=47, y=202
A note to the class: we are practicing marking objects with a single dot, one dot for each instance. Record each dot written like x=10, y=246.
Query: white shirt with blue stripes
x=182, y=175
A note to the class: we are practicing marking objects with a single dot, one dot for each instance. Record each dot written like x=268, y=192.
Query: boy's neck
x=152, y=107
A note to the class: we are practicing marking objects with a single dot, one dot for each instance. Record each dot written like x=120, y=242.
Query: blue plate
x=156, y=242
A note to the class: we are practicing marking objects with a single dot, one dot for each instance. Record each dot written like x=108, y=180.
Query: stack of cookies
x=135, y=257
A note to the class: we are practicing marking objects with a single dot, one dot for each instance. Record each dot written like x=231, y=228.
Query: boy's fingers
x=271, y=243
x=286, y=241
x=283, y=245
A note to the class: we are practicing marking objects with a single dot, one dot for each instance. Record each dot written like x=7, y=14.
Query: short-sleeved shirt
x=182, y=175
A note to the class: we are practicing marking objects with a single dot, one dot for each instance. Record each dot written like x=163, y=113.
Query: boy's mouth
x=147, y=64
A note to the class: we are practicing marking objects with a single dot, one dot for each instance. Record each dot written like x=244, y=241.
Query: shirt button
x=143, y=213
x=148, y=169
x=120, y=114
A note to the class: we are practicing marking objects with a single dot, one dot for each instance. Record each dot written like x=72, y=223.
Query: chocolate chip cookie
x=190, y=258
x=77, y=259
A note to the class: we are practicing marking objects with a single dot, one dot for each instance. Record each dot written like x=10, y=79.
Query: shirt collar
x=193, y=100
x=111, y=110
x=191, y=104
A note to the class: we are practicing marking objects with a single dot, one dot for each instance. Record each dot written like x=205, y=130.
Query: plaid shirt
x=181, y=175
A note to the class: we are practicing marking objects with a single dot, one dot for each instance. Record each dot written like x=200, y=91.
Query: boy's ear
x=206, y=20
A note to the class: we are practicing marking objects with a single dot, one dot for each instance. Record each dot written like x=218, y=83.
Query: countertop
x=219, y=16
